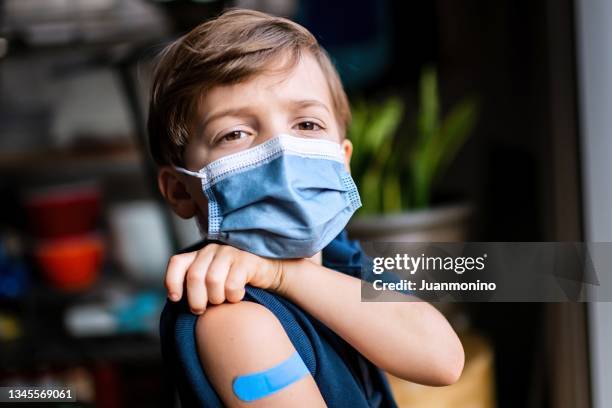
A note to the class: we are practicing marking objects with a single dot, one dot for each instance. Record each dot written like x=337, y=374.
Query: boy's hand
x=219, y=273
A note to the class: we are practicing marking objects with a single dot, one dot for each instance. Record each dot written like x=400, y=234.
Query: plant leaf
x=391, y=194
x=383, y=123
x=456, y=128
x=429, y=109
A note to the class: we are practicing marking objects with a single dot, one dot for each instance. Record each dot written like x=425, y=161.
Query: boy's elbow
x=446, y=355
x=439, y=367
x=450, y=366
x=452, y=373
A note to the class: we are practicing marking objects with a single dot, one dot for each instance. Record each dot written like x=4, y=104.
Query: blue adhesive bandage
x=252, y=387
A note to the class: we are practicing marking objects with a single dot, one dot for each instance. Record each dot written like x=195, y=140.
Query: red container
x=73, y=263
x=63, y=211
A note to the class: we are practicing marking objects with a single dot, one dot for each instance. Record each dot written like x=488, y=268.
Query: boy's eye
x=234, y=135
x=309, y=125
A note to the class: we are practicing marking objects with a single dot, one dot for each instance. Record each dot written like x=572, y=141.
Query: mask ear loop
x=189, y=172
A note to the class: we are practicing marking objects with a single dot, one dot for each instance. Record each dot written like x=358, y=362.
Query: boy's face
x=236, y=117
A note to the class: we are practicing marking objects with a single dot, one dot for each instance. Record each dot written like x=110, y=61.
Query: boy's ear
x=174, y=190
x=347, y=148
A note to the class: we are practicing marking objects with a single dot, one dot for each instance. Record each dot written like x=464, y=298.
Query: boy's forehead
x=304, y=81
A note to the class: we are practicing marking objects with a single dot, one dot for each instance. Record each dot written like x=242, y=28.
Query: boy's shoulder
x=251, y=339
x=243, y=326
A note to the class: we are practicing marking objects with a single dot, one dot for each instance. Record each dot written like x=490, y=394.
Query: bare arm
x=245, y=338
x=410, y=340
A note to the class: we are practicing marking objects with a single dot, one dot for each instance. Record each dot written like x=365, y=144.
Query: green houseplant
x=396, y=171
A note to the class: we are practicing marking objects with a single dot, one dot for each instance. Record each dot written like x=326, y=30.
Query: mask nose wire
x=260, y=142
x=203, y=174
x=265, y=138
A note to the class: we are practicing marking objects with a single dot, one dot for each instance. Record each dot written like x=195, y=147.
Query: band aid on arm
x=252, y=387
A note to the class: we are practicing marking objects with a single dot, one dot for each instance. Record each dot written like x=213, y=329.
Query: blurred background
x=473, y=120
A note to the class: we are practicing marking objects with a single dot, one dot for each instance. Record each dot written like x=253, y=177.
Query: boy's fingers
x=195, y=281
x=217, y=275
x=175, y=274
x=235, y=283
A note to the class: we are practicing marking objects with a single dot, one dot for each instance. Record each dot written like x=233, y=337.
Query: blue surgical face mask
x=286, y=198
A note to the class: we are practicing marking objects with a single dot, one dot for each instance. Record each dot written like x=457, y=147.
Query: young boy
x=254, y=102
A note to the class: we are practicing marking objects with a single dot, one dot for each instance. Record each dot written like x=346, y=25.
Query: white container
x=141, y=244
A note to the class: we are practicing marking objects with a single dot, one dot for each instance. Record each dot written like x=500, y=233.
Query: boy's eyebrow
x=310, y=102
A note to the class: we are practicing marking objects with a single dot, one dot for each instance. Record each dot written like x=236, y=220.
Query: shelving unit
x=125, y=368
x=122, y=160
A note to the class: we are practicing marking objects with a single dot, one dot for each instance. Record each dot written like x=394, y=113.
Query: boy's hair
x=229, y=49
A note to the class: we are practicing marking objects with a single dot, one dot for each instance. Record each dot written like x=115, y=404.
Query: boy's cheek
x=195, y=191
x=202, y=205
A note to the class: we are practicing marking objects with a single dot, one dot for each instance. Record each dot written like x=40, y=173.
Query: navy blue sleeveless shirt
x=344, y=377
